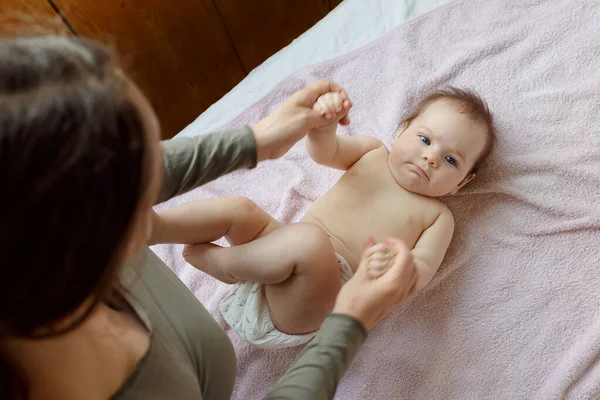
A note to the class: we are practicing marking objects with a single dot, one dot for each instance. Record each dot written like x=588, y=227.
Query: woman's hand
x=293, y=119
x=373, y=293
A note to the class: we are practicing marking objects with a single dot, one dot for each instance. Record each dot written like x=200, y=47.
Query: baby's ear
x=403, y=127
x=462, y=183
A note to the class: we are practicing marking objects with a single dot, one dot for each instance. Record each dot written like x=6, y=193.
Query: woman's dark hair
x=72, y=172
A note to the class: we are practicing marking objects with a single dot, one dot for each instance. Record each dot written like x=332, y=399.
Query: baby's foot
x=208, y=258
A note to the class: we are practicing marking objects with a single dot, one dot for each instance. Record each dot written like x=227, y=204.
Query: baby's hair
x=469, y=103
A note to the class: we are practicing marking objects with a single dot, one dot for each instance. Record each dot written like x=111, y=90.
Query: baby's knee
x=311, y=238
x=316, y=256
x=241, y=205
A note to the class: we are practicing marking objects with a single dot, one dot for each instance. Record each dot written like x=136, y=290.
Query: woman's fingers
x=373, y=249
x=333, y=104
x=346, y=106
x=310, y=94
x=345, y=98
x=402, y=267
x=377, y=257
x=381, y=259
x=386, y=277
x=376, y=271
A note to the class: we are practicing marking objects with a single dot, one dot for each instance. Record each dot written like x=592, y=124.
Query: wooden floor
x=187, y=54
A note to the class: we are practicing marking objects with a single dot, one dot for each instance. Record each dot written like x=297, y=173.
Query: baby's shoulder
x=376, y=154
x=435, y=210
x=376, y=146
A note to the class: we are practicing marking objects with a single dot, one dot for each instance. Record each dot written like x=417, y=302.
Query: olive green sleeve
x=191, y=162
x=318, y=369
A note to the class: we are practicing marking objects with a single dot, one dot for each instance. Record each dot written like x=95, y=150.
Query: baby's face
x=434, y=154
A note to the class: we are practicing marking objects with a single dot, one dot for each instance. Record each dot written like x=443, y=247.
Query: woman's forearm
x=191, y=162
x=318, y=369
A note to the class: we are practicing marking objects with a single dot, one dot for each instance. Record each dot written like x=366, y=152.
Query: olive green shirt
x=190, y=356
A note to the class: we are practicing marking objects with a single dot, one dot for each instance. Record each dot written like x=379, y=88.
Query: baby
x=287, y=276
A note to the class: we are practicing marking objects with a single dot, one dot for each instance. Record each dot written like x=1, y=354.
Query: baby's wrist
x=319, y=132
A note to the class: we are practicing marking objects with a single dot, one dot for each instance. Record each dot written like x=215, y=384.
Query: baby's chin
x=410, y=184
x=416, y=187
x=415, y=184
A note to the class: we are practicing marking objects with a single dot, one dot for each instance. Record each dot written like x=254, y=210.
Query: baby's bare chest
x=363, y=203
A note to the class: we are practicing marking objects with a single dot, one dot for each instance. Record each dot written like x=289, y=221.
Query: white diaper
x=245, y=310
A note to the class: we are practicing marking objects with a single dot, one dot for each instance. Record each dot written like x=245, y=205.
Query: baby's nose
x=430, y=159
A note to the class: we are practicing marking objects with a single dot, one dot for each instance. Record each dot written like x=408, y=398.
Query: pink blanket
x=514, y=311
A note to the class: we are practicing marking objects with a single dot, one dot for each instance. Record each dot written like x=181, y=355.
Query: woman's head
x=78, y=171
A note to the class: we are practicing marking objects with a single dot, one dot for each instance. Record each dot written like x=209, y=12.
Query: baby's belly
x=346, y=250
x=348, y=230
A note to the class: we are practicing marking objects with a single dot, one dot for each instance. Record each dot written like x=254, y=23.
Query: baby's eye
x=451, y=161
x=425, y=140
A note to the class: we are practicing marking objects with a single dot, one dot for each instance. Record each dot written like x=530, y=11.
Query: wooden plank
x=36, y=8
x=334, y=3
x=26, y=16
x=261, y=28
x=177, y=52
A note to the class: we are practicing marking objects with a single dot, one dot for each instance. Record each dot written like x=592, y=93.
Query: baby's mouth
x=420, y=171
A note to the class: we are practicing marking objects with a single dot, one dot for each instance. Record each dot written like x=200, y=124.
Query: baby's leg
x=202, y=221
x=248, y=221
x=237, y=219
x=299, y=304
x=297, y=265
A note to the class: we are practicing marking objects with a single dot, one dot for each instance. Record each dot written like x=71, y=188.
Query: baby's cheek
x=397, y=155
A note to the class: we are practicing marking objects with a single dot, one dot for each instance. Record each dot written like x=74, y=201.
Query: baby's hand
x=334, y=106
x=381, y=257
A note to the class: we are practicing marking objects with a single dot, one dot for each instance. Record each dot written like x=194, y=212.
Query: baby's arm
x=431, y=247
x=327, y=148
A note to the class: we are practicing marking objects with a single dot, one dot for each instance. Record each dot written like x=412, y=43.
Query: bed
x=513, y=311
